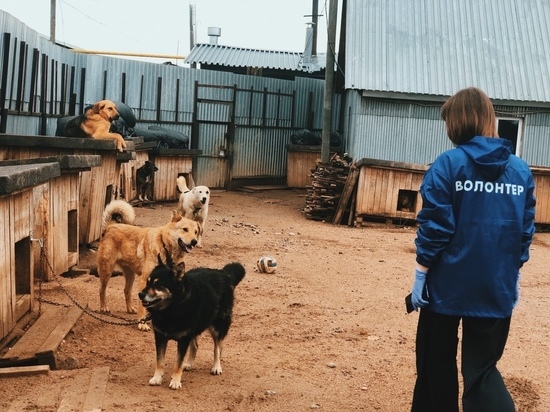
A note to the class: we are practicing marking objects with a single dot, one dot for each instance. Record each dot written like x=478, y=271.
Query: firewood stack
x=327, y=184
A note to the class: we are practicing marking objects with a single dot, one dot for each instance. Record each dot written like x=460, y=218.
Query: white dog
x=193, y=203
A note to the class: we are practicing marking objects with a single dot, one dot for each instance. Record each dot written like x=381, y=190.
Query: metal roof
x=215, y=54
x=436, y=47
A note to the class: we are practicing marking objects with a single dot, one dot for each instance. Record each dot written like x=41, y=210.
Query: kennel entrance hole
x=23, y=277
x=406, y=200
x=72, y=231
x=108, y=195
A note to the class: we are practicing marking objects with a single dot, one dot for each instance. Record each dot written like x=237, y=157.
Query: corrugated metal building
x=265, y=63
x=403, y=59
x=301, y=68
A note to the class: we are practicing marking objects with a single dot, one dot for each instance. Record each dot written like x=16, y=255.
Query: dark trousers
x=483, y=341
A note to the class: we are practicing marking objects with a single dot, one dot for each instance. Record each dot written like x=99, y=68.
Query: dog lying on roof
x=95, y=123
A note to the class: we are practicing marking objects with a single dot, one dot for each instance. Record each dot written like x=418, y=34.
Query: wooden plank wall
x=378, y=191
x=542, y=193
x=30, y=152
x=127, y=188
x=23, y=220
x=97, y=189
x=7, y=281
x=41, y=210
x=299, y=167
x=170, y=167
x=62, y=240
x=16, y=220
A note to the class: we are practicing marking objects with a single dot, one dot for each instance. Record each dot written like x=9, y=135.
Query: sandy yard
x=326, y=331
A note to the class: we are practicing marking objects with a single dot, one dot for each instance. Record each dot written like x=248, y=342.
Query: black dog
x=183, y=305
x=144, y=177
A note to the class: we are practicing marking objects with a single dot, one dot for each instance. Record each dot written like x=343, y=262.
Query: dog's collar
x=187, y=191
x=145, y=319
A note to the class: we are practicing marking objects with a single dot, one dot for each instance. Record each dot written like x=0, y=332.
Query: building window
x=254, y=71
x=511, y=128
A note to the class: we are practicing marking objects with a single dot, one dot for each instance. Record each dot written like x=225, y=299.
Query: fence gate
x=213, y=133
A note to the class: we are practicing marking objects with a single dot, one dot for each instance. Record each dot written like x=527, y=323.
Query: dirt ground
x=327, y=330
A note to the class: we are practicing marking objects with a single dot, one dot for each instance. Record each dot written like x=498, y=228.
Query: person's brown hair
x=469, y=113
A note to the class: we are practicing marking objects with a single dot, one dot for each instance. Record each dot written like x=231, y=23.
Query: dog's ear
x=179, y=270
x=176, y=217
x=97, y=107
x=169, y=261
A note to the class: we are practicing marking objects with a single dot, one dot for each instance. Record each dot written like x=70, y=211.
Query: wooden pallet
x=39, y=344
x=370, y=220
x=83, y=391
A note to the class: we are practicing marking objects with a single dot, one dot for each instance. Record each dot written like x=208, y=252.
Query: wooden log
x=325, y=191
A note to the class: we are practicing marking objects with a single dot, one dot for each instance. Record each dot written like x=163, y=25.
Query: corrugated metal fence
x=42, y=82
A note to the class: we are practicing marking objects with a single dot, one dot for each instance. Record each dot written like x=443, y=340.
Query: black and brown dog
x=144, y=177
x=95, y=123
x=183, y=305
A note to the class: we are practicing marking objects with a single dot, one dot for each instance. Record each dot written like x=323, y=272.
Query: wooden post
x=349, y=187
x=329, y=81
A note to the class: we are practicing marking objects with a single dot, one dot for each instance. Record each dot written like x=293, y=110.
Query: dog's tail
x=236, y=271
x=182, y=184
x=118, y=211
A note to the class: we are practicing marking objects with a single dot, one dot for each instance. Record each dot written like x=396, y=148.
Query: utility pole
x=329, y=82
x=52, y=20
x=192, y=26
x=315, y=21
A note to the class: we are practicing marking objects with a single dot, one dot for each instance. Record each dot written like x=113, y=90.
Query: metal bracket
x=40, y=241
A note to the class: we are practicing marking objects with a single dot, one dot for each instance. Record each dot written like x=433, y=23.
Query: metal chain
x=44, y=258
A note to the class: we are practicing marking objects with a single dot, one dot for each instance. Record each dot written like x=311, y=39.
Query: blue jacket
x=475, y=228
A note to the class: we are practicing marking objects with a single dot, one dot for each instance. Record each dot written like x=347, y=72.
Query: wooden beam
x=24, y=371
x=96, y=389
x=351, y=181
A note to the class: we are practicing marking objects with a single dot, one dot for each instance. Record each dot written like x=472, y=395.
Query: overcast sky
x=162, y=26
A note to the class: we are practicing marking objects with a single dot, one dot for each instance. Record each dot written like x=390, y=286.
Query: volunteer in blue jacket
x=475, y=228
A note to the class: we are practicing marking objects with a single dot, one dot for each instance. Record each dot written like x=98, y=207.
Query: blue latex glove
x=418, y=288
